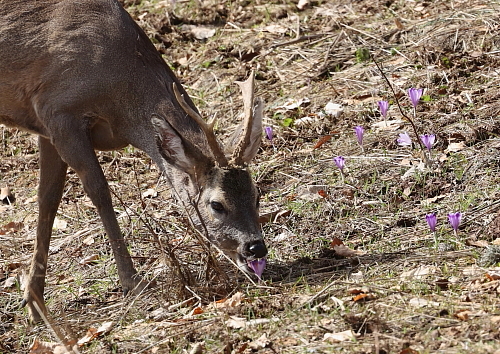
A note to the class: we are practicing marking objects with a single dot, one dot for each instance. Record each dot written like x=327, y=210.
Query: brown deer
x=83, y=76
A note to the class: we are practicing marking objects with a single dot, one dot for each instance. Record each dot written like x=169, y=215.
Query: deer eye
x=218, y=207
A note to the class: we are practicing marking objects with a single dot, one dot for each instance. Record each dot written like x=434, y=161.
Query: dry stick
x=397, y=101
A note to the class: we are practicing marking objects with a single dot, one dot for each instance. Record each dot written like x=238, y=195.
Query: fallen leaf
x=6, y=196
x=196, y=311
x=462, y=315
x=9, y=282
x=364, y=297
x=477, y=243
x=344, y=251
x=293, y=103
x=240, y=322
x=336, y=242
x=60, y=224
x=302, y=4
x=455, y=147
x=232, y=302
x=334, y=109
x=89, y=259
x=11, y=227
x=40, y=347
x=149, y=193
x=421, y=302
x=89, y=240
x=338, y=337
x=275, y=29
x=200, y=32
x=409, y=351
x=273, y=216
x=420, y=272
x=260, y=343
x=93, y=333
x=322, y=140
x=390, y=125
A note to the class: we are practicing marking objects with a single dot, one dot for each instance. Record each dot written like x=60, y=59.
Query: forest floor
x=353, y=266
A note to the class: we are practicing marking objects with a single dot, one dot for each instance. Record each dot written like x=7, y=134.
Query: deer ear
x=172, y=146
x=255, y=135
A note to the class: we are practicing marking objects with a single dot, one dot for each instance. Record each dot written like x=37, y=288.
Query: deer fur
x=83, y=76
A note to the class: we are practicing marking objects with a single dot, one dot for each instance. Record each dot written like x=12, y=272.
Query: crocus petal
x=404, y=139
x=383, y=106
x=339, y=161
x=431, y=221
x=415, y=95
x=428, y=140
x=257, y=266
x=454, y=219
x=269, y=133
x=360, y=131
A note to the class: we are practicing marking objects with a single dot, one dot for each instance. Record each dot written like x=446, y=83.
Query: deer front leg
x=52, y=177
x=73, y=142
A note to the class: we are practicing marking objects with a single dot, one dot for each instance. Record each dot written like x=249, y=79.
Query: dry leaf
x=364, y=297
x=93, y=333
x=338, y=337
x=59, y=224
x=322, y=140
x=477, y=243
x=6, y=196
x=260, y=343
x=420, y=302
x=9, y=282
x=344, y=251
x=409, y=351
x=454, y=147
x=149, y=193
x=420, y=272
x=11, y=227
x=89, y=259
x=40, y=347
x=334, y=109
x=302, y=4
x=201, y=33
x=390, y=125
x=240, y=322
x=293, y=103
x=462, y=315
x=336, y=242
x=196, y=311
x=89, y=240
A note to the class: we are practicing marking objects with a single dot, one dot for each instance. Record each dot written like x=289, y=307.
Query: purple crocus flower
x=431, y=221
x=269, y=133
x=359, y=130
x=428, y=140
x=415, y=95
x=257, y=266
x=383, y=106
x=340, y=162
x=404, y=139
x=454, y=219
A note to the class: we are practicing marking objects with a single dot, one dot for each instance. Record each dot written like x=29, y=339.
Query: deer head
x=218, y=184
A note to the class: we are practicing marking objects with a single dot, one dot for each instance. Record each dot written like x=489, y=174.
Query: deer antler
x=207, y=127
x=247, y=91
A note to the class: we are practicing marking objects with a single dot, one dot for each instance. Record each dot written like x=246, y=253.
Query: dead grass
x=410, y=292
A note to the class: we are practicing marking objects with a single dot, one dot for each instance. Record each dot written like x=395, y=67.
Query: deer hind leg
x=50, y=190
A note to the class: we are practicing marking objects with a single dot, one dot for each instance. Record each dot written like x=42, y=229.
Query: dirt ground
x=353, y=266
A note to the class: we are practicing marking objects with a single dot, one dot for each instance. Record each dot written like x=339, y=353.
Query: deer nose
x=258, y=249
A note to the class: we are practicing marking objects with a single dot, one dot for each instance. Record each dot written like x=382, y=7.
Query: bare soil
x=395, y=287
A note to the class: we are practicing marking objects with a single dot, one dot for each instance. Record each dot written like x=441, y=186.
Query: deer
x=84, y=77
